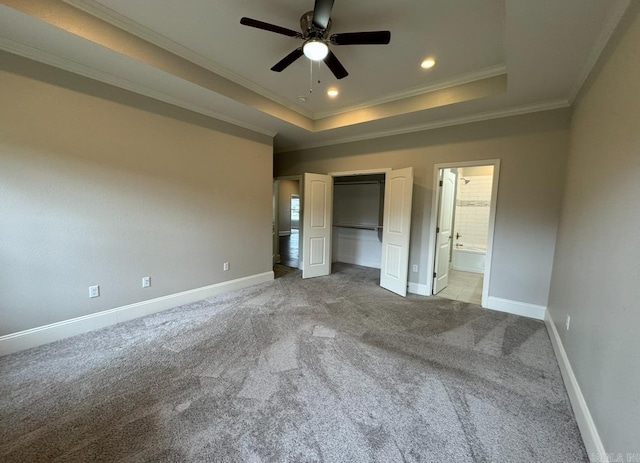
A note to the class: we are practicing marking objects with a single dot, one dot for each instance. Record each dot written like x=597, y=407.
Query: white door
x=316, y=225
x=444, y=231
x=396, y=228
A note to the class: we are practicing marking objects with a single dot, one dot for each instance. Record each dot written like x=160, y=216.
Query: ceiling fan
x=315, y=26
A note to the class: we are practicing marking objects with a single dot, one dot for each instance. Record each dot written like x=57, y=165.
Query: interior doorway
x=290, y=240
x=463, y=230
x=287, y=221
x=295, y=212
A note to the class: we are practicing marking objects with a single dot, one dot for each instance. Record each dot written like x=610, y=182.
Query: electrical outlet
x=415, y=268
x=94, y=291
x=146, y=282
x=225, y=266
x=568, y=321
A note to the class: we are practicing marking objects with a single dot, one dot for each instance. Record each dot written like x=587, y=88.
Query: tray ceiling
x=493, y=58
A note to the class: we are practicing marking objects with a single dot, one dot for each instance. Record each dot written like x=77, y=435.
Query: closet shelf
x=358, y=226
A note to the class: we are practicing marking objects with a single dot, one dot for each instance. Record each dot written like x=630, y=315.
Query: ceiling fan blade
x=270, y=27
x=322, y=13
x=362, y=38
x=335, y=66
x=287, y=60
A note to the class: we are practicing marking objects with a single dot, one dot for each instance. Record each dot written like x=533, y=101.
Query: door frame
x=492, y=220
x=276, y=180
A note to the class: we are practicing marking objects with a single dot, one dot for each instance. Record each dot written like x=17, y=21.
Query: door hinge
x=440, y=182
x=437, y=229
x=434, y=274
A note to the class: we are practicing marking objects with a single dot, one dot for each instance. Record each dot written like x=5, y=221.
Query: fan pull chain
x=311, y=75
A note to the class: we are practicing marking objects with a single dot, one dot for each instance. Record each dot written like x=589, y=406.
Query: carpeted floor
x=332, y=369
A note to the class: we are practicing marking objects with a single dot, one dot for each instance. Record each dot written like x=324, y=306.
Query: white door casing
x=316, y=232
x=396, y=230
x=444, y=231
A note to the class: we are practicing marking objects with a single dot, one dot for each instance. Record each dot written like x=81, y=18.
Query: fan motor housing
x=309, y=30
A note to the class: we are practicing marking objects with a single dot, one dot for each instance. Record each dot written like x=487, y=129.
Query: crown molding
x=442, y=84
x=485, y=116
x=122, y=22
x=77, y=68
x=601, y=42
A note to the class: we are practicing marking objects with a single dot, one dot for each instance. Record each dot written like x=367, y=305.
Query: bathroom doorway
x=463, y=230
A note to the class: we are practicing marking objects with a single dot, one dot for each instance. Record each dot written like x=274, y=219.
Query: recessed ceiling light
x=428, y=63
x=333, y=92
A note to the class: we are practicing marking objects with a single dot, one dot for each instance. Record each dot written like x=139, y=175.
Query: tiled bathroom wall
x=473, y=201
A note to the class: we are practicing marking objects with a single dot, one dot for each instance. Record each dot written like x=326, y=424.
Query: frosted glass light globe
x=315, y=50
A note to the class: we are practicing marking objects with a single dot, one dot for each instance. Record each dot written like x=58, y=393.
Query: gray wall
x=101, y=186
x=533, y=150
x=596, y=274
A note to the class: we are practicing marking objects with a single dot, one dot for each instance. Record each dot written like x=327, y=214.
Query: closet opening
x=358, y=211
x=368, y=223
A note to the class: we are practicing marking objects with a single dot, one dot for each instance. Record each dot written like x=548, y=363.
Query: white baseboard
x=357, y=260
x=462, y=268
x=588, y=429
x=516, y=307
x=417, y=288
x=55, y=331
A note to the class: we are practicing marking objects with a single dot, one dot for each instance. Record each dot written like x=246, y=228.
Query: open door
x=396, y=230
x=444, y=231
x=316, y=225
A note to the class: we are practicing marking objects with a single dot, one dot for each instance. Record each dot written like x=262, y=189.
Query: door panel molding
x=316, y=225
x=447, y=192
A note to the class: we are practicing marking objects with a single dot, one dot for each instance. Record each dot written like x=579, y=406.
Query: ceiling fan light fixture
x=315, y=49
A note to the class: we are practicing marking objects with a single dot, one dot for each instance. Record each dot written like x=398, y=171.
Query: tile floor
x=463, y=286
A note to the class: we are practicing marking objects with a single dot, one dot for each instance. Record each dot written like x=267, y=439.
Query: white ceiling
x=545, y=47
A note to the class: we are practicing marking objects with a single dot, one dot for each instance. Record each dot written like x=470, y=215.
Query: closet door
x=396, y=229
x=316, y=225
